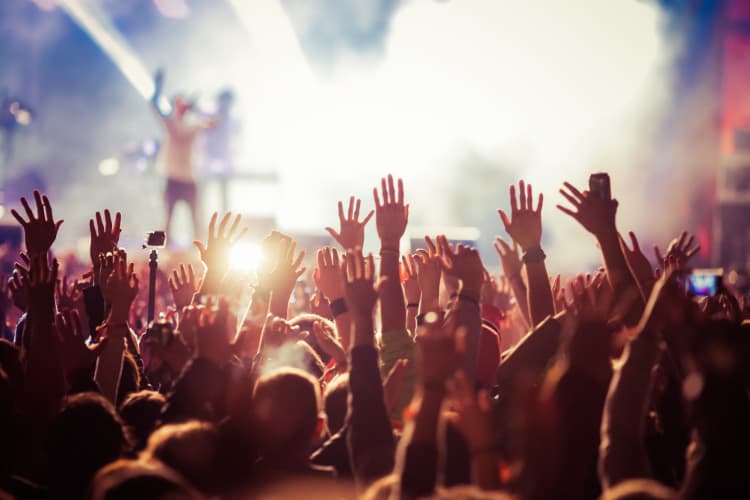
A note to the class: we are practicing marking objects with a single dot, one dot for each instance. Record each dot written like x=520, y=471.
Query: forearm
x=411, y=319
x=392, y=303
x=620, y=278
x=622, y=453
x=279, y=305
x=44, y=387
x=520, y=293
x=469, y=319
x=418, y=460
x=370, y=435
x=343, y=324
x=539, y=292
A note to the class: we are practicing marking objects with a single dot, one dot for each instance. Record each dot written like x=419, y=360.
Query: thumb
x=201, y=247
x=333, y=233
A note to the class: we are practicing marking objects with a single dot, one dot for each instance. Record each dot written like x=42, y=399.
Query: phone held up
x=599, y=186
x=704, y=282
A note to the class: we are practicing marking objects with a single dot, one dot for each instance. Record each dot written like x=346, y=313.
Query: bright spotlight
x=109, y=166
x=245, y=257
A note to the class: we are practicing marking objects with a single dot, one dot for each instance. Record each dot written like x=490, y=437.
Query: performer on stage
x=218, y=145
x=177, y=153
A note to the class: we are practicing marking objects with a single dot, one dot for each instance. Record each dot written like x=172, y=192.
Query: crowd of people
x=415, y=375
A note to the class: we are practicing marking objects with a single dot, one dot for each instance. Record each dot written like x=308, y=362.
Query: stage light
x=245, y=257
x=109, y=166
x=94, y=21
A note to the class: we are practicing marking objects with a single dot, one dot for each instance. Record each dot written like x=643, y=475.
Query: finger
x=99, y=224
x=567, y=211
x=39, y=205
x=391, y=189
x=212, y=226
x=191, y=274
x=351, y=207
x=335, y=261
x=47, y=208
x=18, y=217
x=570, y=198
x=376, y=197
x=369, y=216
x=513, y=202
x=522, y=194
x=172, y=280
x=681, y=240
x=183, y=274
x=333, y=233
x=430, y=245
x=223, y=224
x=234, y=226
x=107, y=221
x=358, y=265
x=116, y=228
x=692, y=252
x=574, y=191
x=356, y=210
x=341, y=211
x=505, y=219
x=659, y=256
x=539, y=202
x=634, y=241
x=92, y=229
x=27, y=208
x=400, y=197
x=241, y=235
x=384, y=190
x=349, y=259
x=201, y=248
x=689, y=242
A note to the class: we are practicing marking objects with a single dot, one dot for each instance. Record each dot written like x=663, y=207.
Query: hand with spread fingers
x=68, y=297
x=409, y=279
x=183, y=286
x=330, y=345
x=105, y=235
x=510, y=258
x=595, y=214
x=392, y=215
x=465, y=265
x=681, y=249
x=120, y=291
x=525, y=222
x=40, y=230
x=76, y=355
x=638, y=263
x=215, y=252
x=360, y=289
x=351, y=232
x=328, y=274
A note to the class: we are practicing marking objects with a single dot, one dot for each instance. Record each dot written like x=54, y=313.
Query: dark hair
x=286, y=405
x=141, y=412
x=85, y=435
x=190, y=448
x=126, y=479
x=335, y=402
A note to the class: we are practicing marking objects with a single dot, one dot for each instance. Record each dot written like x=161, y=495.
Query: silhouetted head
x=286, y=405
x=335, y=402
x=190, y=448
x=141, y=412
x=127, y=479
x=84, y=436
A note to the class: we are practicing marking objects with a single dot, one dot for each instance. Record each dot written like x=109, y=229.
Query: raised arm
x=391, y=217
x=597, y=216
x=370, y=436
x=512, y=266
x=120, y=292
x=215, y=252
x=328, y=279
x=525, y=227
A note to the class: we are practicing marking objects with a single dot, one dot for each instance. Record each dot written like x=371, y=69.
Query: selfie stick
x=152, y=265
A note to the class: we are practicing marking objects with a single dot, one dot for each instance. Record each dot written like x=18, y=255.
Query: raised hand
x=430, y=265
x=465, y=265
x=120, y=289
x=510, y=259
x=392, y=215
x=288, y=268
x=215, y=252
x=76, y=355
x=638, y=263
x=409, y=279
x=183, y=286
x=328, y=274
x=330, y=345
x=351, y=230
x=681, y=249
x=105, y=235
x=360, y=290
x=68, y=297
x=525, y=223
x=596, y=215
x=40, y=231
x=212, y=337
x=18, y=290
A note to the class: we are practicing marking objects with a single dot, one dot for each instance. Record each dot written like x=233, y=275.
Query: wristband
x=468, y=298
x=338, y=307
x=415, y=306
x=533, y=255
x=389, y=250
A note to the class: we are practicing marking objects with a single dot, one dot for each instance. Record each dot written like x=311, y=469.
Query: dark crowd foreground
x=394, y=376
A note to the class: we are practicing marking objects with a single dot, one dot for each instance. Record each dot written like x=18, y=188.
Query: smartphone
x=599, y=186
x=704, y=282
